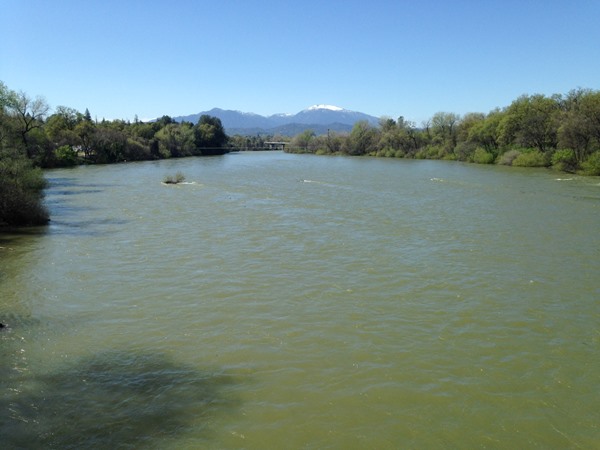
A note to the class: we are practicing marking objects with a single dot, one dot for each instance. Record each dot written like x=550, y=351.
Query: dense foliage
x=21, y=184
x=559, y=131
x=21, y=187
x=69, y=137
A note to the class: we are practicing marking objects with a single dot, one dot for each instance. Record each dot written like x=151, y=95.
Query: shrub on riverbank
x=482, y=157
x=591, y=166
x=21, y=188
x=564, y=160
x=533, y=158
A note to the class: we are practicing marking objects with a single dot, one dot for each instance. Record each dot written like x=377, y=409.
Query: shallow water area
x=293, y=301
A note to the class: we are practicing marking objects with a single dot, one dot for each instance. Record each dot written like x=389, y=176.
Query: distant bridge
x=273, y=145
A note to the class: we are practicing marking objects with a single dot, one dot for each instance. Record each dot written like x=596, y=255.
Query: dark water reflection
x=92, y=227
x=67, y=182
x=71, y=219
x=15, y=235
x=58, y=192
x=116, y=399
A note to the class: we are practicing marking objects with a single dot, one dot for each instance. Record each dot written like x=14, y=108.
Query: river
x=298, y=301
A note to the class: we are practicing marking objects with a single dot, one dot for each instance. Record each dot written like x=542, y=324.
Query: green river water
x=293, y=301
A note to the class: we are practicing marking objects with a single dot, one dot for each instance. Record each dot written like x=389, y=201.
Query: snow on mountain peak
x=329, y=107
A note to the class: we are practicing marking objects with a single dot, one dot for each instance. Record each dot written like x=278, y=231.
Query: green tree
x=531, y=121
x=210, y=137
x=387, y=124
x=85, y=131
x=468, y=121
x=5, y=95
x=7, y=123
x=390, y=139
x=176, y=140
x=142, y=130
x=65, y=155
x=30, y=114
x=333, y=143
x=580, y=124
x=443, y=127
x=60, y=127
x=591, y=166
x=138, y=149
x=465, y=148
x=302, y=140
x=486, y=133
x=109, y=145
x=21, y=185
x=362, y=139
x=163, y=122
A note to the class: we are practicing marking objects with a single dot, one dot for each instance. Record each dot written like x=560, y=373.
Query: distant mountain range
x=318, y=118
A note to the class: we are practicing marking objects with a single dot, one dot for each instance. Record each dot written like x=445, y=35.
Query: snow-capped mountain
x=319, y=118
x=329, y=107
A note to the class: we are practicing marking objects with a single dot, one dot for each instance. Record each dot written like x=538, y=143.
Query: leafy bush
x=137, y=151
x=386, y=153
x=430, y=152
x=65, y=156
x=174, y=179
x=506, y=159
x=464, y=151
x=480, y=156
x=21, y=189
x=533, y=158
x=446, y=151
x=564, y=160
x=591, y=166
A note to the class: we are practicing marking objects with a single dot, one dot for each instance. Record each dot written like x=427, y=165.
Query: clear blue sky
x=382, y=57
